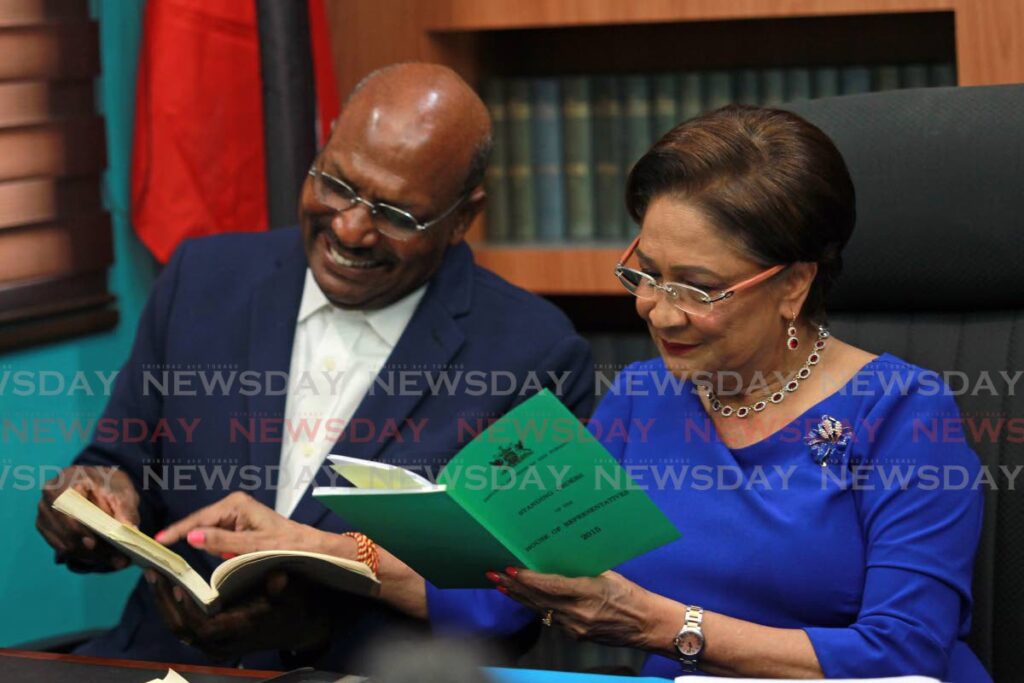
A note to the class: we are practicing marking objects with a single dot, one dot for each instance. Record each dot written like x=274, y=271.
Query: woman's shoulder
x=892, y=379
x=911, y=411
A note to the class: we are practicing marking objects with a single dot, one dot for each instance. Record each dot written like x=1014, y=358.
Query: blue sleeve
x=488, y=612
x=615, y=408
x=920, y=534
x=129, y=400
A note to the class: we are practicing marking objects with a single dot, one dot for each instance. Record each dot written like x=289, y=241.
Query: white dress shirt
x=336, y=354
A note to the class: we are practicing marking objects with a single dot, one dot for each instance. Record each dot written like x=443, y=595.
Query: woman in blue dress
x=828, y=528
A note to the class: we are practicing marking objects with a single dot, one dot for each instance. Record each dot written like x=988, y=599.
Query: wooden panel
x=77, y=245
x=67, y=148
x=990, y=41
x=719, y=44
x=29, y=12
x=30, y=102
x=54, y=328
x=55, y=51
x=474, y=15
x=49, y=296
x=555, y=271
x=38, y=200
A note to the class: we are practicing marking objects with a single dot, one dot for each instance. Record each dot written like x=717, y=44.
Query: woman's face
x=743, y=333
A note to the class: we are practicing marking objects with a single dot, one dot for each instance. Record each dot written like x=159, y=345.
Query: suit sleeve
x=572, y=363
x=132, y=400
x=921, y=517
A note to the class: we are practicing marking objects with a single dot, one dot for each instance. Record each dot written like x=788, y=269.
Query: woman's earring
x=792, y=342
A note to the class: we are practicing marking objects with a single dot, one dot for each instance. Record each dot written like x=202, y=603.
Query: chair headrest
x=939, y=176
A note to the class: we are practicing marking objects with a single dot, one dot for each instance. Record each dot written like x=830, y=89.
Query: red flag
x=198, y=155
x=328, y=105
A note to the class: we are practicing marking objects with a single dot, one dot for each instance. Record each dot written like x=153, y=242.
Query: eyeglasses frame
x=372, y=207
x=726, y=293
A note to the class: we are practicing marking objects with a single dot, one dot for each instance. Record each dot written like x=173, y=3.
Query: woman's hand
x=608, y=609
x=240, y=524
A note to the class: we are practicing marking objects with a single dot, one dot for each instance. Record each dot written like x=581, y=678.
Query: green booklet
x=534, y=490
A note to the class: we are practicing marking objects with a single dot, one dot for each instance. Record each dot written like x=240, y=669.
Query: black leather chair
x=934, y=273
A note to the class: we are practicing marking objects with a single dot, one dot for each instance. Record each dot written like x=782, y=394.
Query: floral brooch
x=828, y=440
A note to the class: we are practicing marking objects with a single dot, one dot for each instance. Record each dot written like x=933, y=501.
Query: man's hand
x=286, y=615
x=240, y=524
x=107, y=487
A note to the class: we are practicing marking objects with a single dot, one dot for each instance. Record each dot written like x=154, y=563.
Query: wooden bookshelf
x=478, y=39
x=554, y=270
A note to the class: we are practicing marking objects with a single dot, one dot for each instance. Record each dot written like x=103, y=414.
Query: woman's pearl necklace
x=792, y=385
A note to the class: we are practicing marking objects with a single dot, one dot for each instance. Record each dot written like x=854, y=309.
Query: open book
x=534, y=490
x=231, y=579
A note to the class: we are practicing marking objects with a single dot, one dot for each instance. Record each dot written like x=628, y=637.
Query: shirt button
x=330, y=364
x=308, y=450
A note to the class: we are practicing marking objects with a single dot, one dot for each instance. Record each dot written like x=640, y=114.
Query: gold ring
x=547, y=617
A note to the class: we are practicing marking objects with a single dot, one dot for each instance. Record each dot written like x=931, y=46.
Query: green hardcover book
x=718, y=89
x=637, y=115
x=826, y=81
x=609, y=153
x=523, y=226
x=534, y=490
x=548, y=170
x=496, y=180
x=638, y=118
x=748, y=87
x=886, y=77
x=942, y=74
x=854, y=80
x=914, y=75
x=773, y=87
x=691, y=100
x=666, y=103
x=578, y=142
x=798, y=84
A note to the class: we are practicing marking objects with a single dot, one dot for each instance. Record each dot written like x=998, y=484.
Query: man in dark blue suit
x=377, y=276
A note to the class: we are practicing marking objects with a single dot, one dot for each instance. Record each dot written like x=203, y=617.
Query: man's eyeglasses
x=396, y=223
x=687, y=298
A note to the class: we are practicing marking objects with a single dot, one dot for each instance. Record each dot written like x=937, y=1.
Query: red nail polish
x=503, y=590
x=512, y=571
x=160, y=536
x=196, y=537
x=228, y=556
x=493, y=577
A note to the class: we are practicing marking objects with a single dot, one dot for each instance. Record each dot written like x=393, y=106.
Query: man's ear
x=470, y=209
x=799, y=277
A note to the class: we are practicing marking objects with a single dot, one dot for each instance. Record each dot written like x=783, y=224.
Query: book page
x=369, y=474
x=246, y=573
x=143, y=550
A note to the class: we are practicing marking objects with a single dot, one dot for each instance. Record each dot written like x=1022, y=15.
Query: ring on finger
x=548, y=616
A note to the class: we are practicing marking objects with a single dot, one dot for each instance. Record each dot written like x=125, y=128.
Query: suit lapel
x=431, y=340
x=273, y=310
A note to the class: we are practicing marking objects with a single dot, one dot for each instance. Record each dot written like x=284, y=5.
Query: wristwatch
x=689, y=641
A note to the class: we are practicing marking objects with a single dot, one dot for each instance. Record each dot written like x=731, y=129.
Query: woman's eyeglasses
x=687, y=298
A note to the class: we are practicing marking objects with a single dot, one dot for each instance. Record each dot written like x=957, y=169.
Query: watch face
x=690, y=643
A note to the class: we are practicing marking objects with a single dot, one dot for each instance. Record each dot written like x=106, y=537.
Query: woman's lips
x=677, y=349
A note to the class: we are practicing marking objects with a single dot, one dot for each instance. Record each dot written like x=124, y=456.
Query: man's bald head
x=414, y=137
x=420, y=105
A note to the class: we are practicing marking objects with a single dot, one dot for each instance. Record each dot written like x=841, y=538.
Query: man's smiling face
x=406, y=139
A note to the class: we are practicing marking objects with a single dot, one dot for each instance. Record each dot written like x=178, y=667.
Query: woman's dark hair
x=767, y=177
